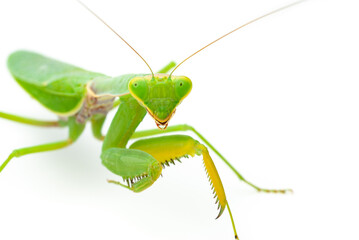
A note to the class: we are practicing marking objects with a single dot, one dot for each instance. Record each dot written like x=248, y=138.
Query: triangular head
x=160, y=94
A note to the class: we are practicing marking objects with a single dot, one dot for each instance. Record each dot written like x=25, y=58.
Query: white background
x=279, y=99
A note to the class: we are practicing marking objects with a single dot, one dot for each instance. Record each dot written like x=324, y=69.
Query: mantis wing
x=113, y=86
x=58, y=86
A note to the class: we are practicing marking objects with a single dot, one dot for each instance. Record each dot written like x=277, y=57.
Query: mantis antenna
x=93, y=13
x=225, y=35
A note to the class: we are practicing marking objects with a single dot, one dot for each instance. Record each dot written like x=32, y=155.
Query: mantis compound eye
x=139, y=88
x=183, y=86
x=160, y=95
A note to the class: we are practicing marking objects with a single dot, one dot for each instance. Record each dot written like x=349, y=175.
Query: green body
x=58, y=86
x=78, y=96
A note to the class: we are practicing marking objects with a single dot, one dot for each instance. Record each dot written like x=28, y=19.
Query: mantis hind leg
x=31, y=121
x=75, y=131
x=185, y=127
x=97, y=122
x=35, y=149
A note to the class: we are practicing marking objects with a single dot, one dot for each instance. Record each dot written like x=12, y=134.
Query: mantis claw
x=169, y=148
x=166, y=149
x=137, y=168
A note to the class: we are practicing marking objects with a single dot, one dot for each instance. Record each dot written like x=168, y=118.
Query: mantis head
x=160, y=94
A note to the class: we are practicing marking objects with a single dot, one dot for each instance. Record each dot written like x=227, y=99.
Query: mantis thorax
x=160, y=94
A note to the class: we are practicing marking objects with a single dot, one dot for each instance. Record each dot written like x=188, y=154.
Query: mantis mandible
x=79, y=96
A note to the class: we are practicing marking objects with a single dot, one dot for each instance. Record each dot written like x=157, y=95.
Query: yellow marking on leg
x=167, y=148
x=214, y=179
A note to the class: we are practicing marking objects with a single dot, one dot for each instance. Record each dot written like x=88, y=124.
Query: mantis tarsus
x=78, y=96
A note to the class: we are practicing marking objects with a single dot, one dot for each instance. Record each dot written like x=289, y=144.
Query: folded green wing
x=113, y=86
x=58, y=86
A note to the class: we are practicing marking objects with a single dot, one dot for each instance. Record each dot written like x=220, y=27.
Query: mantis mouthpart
x=78, y=96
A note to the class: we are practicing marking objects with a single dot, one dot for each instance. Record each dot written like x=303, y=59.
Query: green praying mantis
x=79, y=96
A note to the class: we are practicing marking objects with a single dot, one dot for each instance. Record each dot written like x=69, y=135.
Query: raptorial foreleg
x=167, y=149
x=185, y=127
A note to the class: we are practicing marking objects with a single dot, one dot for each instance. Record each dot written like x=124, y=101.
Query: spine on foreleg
x=214, y=178
x=165, y=149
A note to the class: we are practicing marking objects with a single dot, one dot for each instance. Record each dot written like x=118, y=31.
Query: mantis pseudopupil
x=159, y=122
